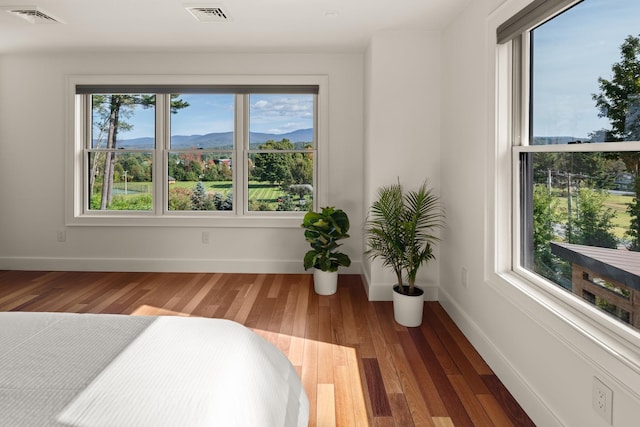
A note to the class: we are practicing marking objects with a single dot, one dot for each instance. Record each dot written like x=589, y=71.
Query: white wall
x=547, y=364
x=32, y=169
x=402, y=130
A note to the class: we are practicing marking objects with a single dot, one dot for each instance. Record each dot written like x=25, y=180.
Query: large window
x=576, y=137
x=177, y=151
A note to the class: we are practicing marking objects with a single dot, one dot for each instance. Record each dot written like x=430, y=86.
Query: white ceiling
x=255, y=25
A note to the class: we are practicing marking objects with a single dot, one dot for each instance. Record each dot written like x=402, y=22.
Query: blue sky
x=571, y=52
x=275, y=114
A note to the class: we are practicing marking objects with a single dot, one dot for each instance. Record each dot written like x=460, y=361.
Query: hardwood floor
x=358, y=366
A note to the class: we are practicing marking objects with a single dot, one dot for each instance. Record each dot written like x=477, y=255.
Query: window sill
x=576, y=324
x=231, y=221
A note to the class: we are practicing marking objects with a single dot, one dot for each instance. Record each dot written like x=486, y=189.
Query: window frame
x=78, y=124
x=503, y=267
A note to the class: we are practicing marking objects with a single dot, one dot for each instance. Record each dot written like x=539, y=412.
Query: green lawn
x=258, y=191
x=618, y=203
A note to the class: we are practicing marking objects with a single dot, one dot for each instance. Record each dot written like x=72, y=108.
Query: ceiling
x=254, y=25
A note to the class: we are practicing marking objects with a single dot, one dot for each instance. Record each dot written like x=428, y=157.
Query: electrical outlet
x=205, y=237
x=602, y=400
x=464, y=277
x=61, y=236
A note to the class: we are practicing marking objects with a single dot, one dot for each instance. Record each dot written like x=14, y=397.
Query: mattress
x=63, y=369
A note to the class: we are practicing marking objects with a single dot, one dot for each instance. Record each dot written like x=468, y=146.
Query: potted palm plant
x=323, y=230
x=400, y=231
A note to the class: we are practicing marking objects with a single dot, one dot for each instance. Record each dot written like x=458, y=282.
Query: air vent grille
x=34, y=16
x=208, y=13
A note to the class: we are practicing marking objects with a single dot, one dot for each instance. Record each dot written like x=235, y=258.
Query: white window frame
x=76, y=127
x=503, y=271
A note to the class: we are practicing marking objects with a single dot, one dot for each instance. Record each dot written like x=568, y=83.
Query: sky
x=211, y=113
x=570, y=52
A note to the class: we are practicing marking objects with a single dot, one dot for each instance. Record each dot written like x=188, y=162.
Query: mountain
x=555, y=140
x=218, y=139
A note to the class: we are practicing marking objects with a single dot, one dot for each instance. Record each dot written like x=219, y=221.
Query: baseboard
x=508, y=374
x=160, y=265
x=384, y=291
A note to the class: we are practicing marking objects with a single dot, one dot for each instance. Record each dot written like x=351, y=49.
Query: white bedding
x=110, y=370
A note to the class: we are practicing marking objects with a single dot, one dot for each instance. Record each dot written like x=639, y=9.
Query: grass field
x=618, y=203
x=259, y=192
x=622, y=220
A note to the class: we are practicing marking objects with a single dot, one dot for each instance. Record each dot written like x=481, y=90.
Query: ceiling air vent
x=33, y=15
x=208, y=13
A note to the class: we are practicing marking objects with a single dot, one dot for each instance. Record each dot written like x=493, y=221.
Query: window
x=575, y=133
x=170, y=153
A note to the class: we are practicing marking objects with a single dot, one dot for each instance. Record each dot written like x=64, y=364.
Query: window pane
x=200, y=167
x=202, y=121
x=570, y=55
x=277, y=117
x=200, y=181
x=281, y=181
x=130, y=186
x=581, y=216
x=123, y=121
x=121, y=180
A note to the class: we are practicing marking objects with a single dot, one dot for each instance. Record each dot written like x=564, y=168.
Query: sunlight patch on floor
x=330, y=373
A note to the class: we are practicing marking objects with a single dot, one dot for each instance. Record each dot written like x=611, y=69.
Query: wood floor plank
x=383, y=352
x=375, y=386
x=470, y=401
x=457, y=354
x=513, y=410
x=443, y=422
x=326, y=406
x=358, y=366
x=344, y=405
x=472, y=355
x=419, y=378
x=455, y=409
x=400, y=409
x=494, y=410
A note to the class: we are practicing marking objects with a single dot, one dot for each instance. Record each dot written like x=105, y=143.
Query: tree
x=112, y=111
x=592, y=221
x=200, y=200
x=544, y=219
x=301, y=169
x=619, y=101
x=272, y=166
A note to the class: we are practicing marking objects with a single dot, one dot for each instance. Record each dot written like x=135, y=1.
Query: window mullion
x=86, y=129
x=160, y=158
x=240, y=153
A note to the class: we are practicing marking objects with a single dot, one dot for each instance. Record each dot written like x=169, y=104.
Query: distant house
x=172, y=180
x=624, y=182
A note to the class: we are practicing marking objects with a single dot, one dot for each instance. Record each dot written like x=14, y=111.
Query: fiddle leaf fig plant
x=323, y=230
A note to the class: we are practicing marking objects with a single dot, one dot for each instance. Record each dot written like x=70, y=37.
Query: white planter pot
x=325, y=282
x=407, y=309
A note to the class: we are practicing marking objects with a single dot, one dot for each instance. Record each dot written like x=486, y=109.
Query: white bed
x=63, y=369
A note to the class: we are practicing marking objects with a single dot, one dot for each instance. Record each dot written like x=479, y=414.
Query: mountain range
x=219, y=139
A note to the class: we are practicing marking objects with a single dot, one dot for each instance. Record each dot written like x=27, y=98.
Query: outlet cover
x=602, y=400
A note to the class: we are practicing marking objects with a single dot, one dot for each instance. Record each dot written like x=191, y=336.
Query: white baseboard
x=160, y=265
x=384, y=291
x=508, y=374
